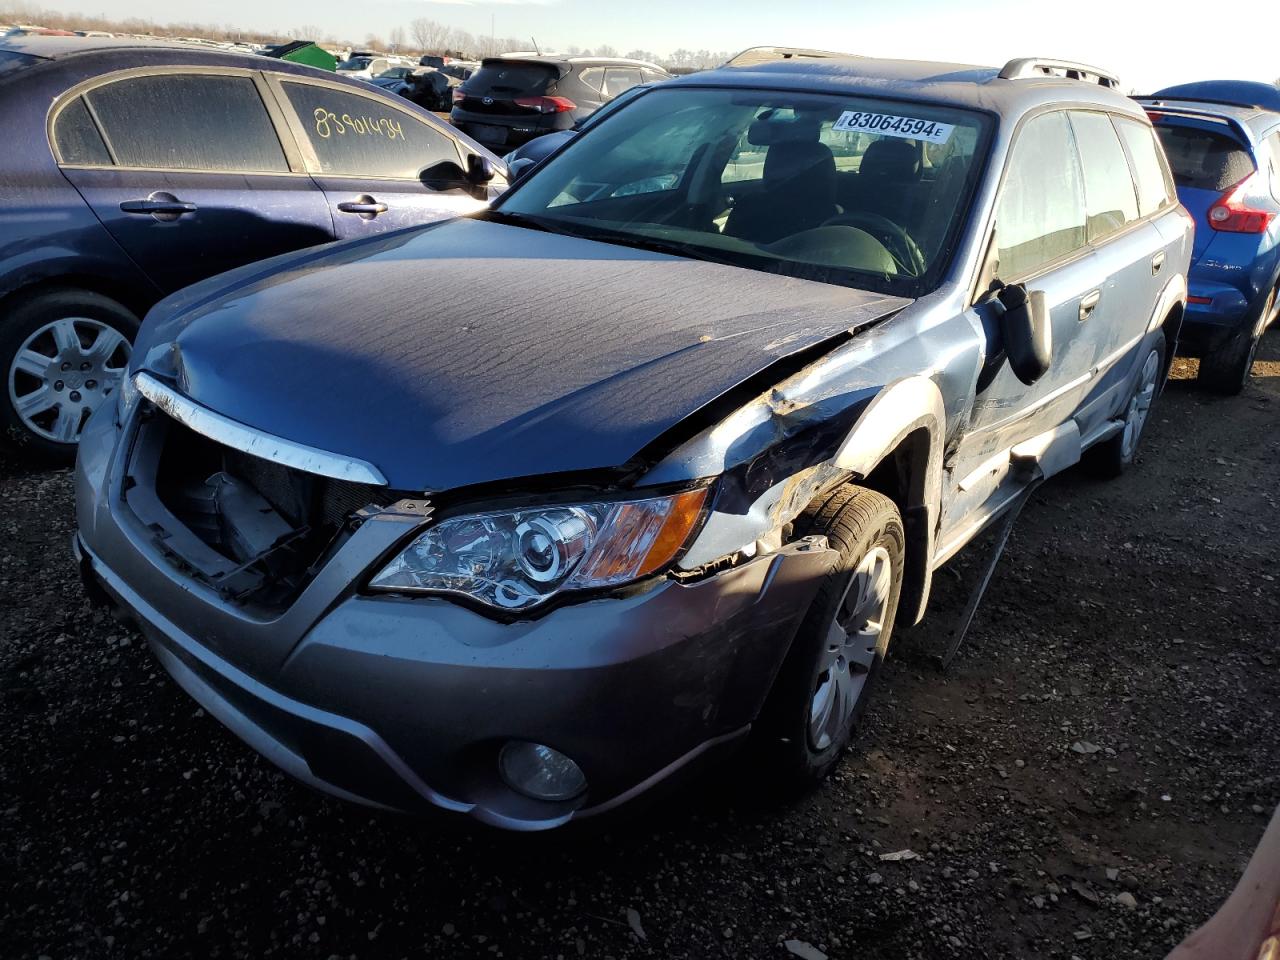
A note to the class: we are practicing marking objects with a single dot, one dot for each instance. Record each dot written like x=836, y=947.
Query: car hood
x=472, y=351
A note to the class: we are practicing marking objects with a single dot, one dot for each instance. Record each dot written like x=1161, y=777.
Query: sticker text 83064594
x=329, y=123
x=891, y=125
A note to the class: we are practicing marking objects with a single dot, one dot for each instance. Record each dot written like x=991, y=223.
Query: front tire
x=826, y=680
x=62, y=353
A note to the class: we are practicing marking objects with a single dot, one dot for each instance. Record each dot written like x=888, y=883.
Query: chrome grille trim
x=232, y=433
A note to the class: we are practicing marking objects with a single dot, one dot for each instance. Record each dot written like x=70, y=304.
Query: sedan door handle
x=163, y=206
x=1089, y=303
x=1157, y=262
x=365, y=206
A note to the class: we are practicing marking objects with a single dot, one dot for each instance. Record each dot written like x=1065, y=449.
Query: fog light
x=539, y=772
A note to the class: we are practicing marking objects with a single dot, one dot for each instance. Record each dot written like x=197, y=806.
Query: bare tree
x=373, y=42
x=308, y=31
x=431, y=36
x=606, y=51
x=647, y=55
x=398, y=39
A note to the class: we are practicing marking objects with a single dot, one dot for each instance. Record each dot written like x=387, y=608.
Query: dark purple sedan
x=136, y=168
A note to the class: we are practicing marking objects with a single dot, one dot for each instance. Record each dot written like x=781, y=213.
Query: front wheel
x=826, y=680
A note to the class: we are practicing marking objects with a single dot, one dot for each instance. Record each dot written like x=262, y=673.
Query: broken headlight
x=518, y=558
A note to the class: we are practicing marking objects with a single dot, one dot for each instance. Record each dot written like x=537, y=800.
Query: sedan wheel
x=63, y=353
x=63, y=372
x=1144, y=395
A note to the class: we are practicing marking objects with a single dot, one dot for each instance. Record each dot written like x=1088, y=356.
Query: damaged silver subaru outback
x=644, y=462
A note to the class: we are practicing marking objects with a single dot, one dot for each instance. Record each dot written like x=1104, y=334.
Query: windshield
x=355, y=63
x=850, y=190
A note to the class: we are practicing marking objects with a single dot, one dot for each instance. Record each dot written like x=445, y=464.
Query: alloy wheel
x=63, y=372
x=1144, y=395
x=852, y=645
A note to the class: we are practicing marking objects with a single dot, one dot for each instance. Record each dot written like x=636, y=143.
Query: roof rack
x=753, y=56
x=1022, y=68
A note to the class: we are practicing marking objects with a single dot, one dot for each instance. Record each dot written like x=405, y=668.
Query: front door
x=381, y=167
x=186, y=171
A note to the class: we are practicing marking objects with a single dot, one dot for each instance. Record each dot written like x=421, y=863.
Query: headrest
x=793, y=158
x=890, y=159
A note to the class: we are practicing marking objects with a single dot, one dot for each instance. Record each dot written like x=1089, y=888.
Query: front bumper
x=404, y=703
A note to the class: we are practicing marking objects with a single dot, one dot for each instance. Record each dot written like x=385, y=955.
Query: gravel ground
x=1087, y=782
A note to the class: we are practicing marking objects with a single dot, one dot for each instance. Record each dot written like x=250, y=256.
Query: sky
x=1148, y=44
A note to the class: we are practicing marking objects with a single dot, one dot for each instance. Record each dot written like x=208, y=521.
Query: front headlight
x=518, y=558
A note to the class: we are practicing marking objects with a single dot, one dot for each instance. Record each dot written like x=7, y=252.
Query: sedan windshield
x=850, y=190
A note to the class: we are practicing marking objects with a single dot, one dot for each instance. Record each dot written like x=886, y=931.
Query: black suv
x=511, y=100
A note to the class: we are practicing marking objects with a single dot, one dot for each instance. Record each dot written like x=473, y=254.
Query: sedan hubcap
x=1140, y=403
x=852, y=643
x=63, y=372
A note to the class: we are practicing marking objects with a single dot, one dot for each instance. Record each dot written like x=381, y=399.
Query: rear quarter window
x=1203, y=159
x=77, y=139
x=1150, y=170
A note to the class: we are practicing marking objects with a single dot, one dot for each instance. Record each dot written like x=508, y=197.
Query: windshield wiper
x=524, y=220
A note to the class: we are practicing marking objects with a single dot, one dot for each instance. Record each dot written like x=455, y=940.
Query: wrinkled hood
x=473, y=351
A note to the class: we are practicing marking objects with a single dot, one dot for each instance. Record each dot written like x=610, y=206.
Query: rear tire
x=1226, y=370
x=62, y=354
x=1110, y=458
x=826, y=680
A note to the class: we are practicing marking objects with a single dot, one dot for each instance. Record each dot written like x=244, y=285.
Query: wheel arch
x=895, y=448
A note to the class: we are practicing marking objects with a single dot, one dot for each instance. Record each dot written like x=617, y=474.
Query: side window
x=593, y=77
x=652, y=76
x=1110, y=201
x=361, y=136
x=1041, y=212
x=618, y=80
x=188, y=122
x=1150, y=169
x=77, y=139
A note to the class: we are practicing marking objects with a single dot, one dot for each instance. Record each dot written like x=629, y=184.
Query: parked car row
x=636, y=465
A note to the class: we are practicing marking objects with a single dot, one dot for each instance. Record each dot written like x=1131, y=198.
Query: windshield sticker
x=890, y=125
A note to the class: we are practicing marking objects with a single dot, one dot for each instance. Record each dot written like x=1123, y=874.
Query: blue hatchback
x=1222, y=138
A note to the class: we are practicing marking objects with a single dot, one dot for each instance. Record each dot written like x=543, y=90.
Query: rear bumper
x=405, y=703
x=518, y=129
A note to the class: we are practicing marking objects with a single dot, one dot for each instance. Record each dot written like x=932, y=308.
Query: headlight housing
x=517, y=559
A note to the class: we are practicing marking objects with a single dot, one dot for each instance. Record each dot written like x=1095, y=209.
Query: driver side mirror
x=1027, y=331
x=480, y=170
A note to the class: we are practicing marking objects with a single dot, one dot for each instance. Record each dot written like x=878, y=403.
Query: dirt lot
x=1134, y=621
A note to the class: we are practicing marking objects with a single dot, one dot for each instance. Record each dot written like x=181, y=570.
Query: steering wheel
x=904, y=250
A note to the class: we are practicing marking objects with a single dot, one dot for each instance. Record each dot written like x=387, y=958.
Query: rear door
x=1130, y=248
x=381, y=167
x=188, y=171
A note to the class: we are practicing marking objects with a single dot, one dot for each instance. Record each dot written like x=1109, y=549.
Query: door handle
x=364, y=206
x=160, y=205
x=1157, y=262
x=1089, y=303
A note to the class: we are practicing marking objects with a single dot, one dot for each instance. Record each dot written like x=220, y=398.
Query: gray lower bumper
x=405, y=703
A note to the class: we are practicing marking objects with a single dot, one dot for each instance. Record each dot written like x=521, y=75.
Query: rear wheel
x=1226, y=370
x=828, y=675
x=1114, y=455
x=63, y=353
